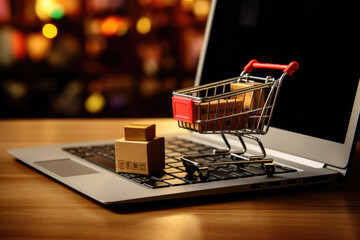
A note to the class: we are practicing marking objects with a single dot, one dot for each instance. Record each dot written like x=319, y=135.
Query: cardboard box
x=208, y=112
x=252, y=100
x=139, y=132
x=140, y=157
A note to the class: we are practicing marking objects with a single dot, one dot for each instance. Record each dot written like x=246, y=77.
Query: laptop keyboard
x=174, y=173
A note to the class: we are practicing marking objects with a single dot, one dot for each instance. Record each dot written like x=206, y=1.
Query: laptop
x=313, y=131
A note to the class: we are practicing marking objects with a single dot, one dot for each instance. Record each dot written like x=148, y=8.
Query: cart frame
x=216, y=108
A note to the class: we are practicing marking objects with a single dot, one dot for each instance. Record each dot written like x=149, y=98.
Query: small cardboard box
x=208, y=112
x=140, y=157
x=139, y=132
x=252, y=100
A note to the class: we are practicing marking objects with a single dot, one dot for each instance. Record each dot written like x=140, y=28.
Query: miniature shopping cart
x=240, y=106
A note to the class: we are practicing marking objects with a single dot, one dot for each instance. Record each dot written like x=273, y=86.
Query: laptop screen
x=323, y=36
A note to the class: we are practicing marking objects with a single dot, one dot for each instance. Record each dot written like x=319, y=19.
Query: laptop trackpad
x=66, y=167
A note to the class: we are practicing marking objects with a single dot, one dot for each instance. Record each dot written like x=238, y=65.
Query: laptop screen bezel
x=317, y=149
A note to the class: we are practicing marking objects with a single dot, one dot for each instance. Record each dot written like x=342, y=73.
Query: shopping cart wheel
x=269, y=169
x=189, y=167
x=203, y=173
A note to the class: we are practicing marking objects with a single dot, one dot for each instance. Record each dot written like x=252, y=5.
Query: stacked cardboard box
x=140, y=152
x=252, y=100
x=218, y=109
x=239, y=108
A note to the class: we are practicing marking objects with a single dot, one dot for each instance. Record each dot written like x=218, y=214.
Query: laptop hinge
x=342, y=171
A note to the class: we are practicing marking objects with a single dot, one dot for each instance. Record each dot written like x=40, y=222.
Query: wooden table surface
x=32, y=206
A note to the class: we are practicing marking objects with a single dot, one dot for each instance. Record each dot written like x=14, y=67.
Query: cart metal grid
x=242, y=106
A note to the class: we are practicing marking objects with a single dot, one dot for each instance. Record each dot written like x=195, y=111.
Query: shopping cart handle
x=289, y=69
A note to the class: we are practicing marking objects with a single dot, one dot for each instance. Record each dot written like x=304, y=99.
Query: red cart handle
x=289, y=69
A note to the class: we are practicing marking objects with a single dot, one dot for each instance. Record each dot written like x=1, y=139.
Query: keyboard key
x=180, y=175
x=219, y=166
x=176, y=164
x=181, y=150
x=102, y=161
x=223, y=174
x=156, y=184
x=259, y=171
x=163, y=176
x=173, y=154
x=172, y=170
x=200, y=148
x=170, y=160
x=182, y=168
x=228, y=169
x=170, y=146
x=129, y=175
x=176, y=182
x=190, y=145
x=167, y=150
x=142, y=179
x=243, y=174
x=213, y=178
x=84, y=154
x=191, y=152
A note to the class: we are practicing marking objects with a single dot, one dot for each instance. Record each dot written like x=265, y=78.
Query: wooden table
x=32, y=206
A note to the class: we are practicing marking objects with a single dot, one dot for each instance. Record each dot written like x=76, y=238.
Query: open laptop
x=314, y=128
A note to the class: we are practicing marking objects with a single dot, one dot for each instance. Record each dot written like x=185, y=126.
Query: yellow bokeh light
x=43, y=9
x=143, y=25
x=56, y=9
x=95, y=103
x=49, y=30
x=201, y=8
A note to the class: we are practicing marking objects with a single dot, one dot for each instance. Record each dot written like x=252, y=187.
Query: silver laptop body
x=315, y=159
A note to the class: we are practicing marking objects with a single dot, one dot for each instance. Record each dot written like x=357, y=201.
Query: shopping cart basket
x=240, y=106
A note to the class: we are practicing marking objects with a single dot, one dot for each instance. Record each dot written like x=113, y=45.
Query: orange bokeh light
x=113, y=25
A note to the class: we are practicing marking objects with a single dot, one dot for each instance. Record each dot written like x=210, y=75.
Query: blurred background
x=97, y=58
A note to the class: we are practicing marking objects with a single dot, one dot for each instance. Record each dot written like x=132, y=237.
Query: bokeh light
x=99, y=43
x=93, y=27
x=57, y=11
x=95, y=45
x=37, y=46
x=187, y=4
x=15, y=89
x=150, y=86
x=95, y=103
x=6, y=57
x=143, y=25
x=201, y=9
x=114, y=25
x=43, y=9
x=49, y=30
x=109, y=26
x=18, y=45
